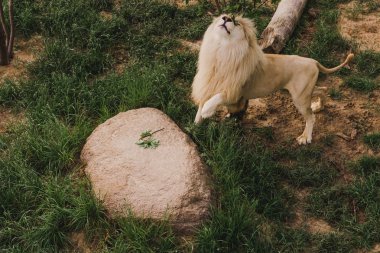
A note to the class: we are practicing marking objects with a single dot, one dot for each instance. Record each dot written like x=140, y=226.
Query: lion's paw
x=303, y=140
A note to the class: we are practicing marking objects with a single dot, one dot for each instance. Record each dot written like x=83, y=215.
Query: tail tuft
x=332, y=70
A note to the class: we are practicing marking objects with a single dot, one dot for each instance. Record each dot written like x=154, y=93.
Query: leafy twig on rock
x=148, y=133
x=150, y=142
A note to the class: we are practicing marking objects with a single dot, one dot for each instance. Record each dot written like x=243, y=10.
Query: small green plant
x=145, y=134
x=373, y=140
x=328, y=140
x=335, y=94
x=368, y=62
x=265, y=132
x=366, y=165
x=147, y=141
x=363, y=84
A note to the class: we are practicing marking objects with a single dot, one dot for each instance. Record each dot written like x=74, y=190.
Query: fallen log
x=282, y=25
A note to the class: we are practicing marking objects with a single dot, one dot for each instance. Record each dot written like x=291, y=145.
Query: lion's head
x=228, y=57
x=231, y=28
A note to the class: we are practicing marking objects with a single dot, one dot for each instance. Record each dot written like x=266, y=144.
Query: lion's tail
x=332, y=70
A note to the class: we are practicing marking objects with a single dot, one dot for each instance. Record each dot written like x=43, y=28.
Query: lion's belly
x=260, y=90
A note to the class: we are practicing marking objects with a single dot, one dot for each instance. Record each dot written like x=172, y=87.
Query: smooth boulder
x=167, y=182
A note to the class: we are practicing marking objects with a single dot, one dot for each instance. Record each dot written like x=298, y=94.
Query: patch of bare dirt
x=7, y=117
x=25, y=52
x=313, y=225
x=375, y=249
x=117, y=4
x=299, y=216
x=354, y=115
x=122, y=61
x=192, y=46
x=105, y=15
x=318, y=226
x=360, y=26
x=78, y=241
x=181, y=3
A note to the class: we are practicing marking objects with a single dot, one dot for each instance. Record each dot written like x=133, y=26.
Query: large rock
x=169, y=181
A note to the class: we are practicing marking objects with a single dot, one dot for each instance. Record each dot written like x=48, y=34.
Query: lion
x=232, y=69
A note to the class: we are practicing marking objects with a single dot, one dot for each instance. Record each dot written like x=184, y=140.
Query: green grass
x=368, y=62
x=72, y=87
x=335, y=94
x=372, y=5
x=373, y=140
x=363, y=84
x=352, y=208
x=367, y=165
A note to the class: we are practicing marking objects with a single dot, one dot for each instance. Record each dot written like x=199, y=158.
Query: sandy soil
x=7, y=117
x=192, y=46
x=25, y=52
x=313, y=225
x=79, y=243
x=363, y=28
x=181, y=3
x=345, y=120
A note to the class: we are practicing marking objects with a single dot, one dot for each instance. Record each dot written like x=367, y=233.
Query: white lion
x=232, y=69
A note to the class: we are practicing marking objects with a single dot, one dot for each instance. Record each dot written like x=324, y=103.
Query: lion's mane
x=226, y=67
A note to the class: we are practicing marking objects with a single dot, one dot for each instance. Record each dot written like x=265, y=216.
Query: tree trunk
x=4, y=59
x=2, y=19
x=12, y=29
x=282, y=25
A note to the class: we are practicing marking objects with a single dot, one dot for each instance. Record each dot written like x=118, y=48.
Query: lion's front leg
x=209, y=108
x=198, y=117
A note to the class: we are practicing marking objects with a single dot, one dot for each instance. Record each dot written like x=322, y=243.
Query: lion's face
x=227, y=26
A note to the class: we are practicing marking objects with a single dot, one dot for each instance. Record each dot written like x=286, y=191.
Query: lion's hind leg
x=309, y=116
x=301, y=95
